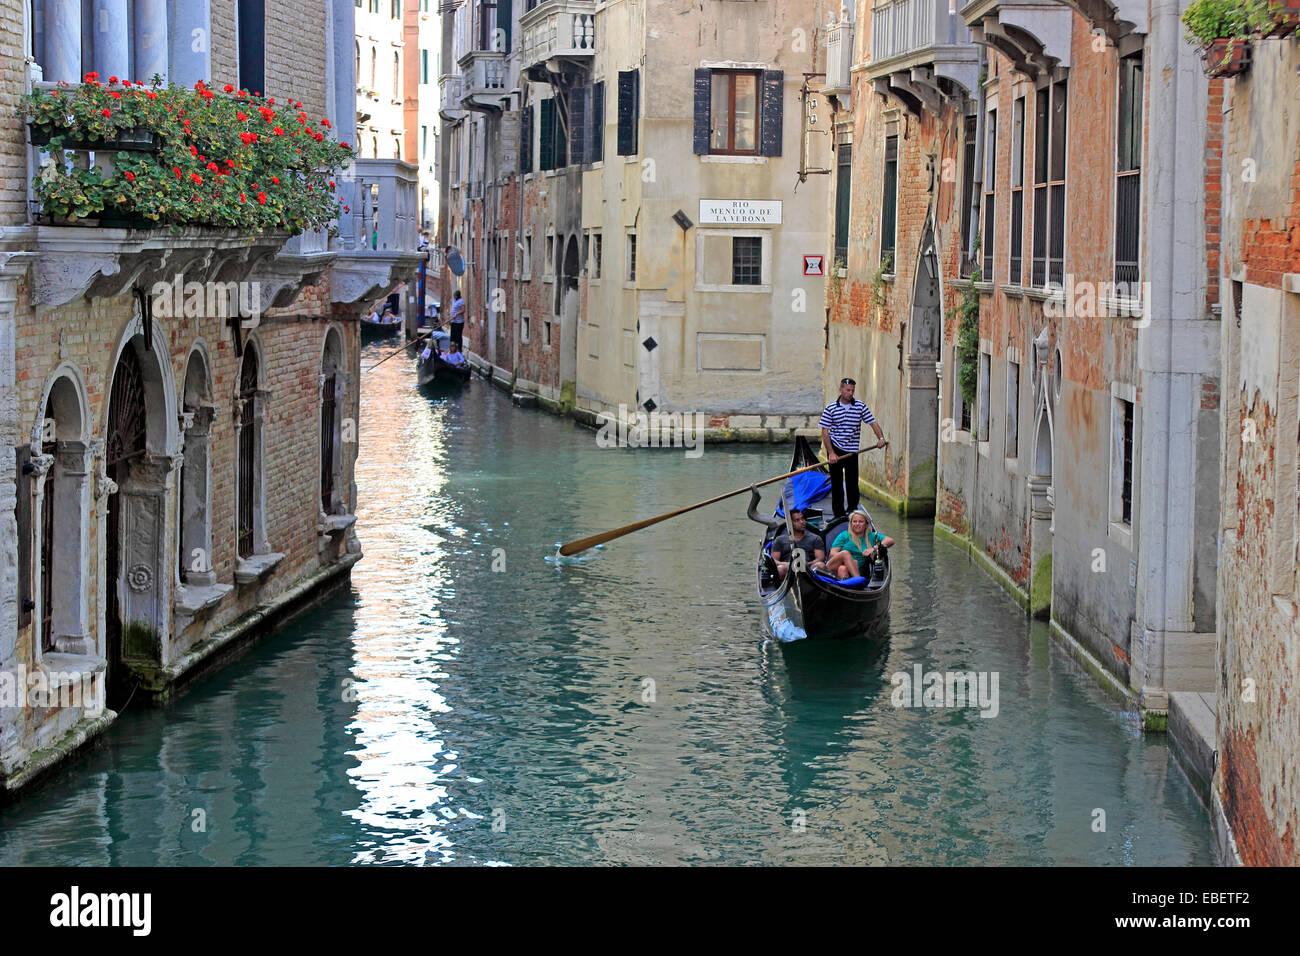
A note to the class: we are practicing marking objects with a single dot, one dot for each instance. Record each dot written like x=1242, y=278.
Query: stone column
x=1177, y=346
x=190, y=41
x=111, y=45
x=70, y=622
x=341, y=87
x=62, y=61
x=195, y=498
x=150, y=40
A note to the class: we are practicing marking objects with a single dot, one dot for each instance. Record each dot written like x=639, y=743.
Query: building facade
x=632, y=187
x=177, y=406
x=1258, y=727
x=1009, y=164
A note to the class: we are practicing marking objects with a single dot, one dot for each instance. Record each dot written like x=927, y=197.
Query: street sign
x=812, y=266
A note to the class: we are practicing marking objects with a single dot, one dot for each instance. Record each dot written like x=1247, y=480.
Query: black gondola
x=434, y=371
x=373, y=328
x=808, y=604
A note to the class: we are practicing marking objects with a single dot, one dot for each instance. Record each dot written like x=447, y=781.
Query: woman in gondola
x=855, y=548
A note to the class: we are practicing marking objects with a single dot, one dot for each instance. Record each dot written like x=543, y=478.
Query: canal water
x=468, y=701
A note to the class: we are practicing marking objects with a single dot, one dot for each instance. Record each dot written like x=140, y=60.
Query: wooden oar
x=582, y=544
x=396, y=350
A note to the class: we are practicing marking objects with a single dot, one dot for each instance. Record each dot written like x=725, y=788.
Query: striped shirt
x=844, y=422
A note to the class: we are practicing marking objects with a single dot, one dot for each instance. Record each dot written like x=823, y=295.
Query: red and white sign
x=812, y=266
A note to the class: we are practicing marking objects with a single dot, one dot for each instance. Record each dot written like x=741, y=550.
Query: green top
x=845, y=541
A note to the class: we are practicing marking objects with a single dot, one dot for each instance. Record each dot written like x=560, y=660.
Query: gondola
x=373, y=329
x=433, y=370
x=809, y=604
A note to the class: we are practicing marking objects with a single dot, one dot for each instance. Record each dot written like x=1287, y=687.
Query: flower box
x=137, y=140
x=1227, y=56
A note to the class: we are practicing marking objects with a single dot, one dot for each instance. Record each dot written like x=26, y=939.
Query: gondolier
x=841, y=425
x=457, y=319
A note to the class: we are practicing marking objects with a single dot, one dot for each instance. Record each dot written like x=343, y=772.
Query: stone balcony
x=483, y=80
x=558, y=36
x=449, y=96
x=920, y=52
x=382, y=231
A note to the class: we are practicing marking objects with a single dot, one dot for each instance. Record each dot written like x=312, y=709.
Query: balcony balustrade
x=914, y=45
x=559, y=31
x=839, y=57
x=484, y=76
x=383, y=227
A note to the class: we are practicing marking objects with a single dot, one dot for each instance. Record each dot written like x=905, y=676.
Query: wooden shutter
x=526, y=140
x=546, y=141
x=703, y=102
x=773, y=100
x=628, y=111
x=578, y=102
x=596, y=124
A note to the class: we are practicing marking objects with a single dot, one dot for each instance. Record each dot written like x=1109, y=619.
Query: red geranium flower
x=130, y=177
x=261, y=198
x=213, y=167
x=332, y=184
x=126, y=82
x=177, y=171
x=105, y=113
x=347, y=208
x=194, y=151
x=276, y=180
x=344, y=145
x=90, y=76
x=248, y=138
x=230, y=164
x=271, y=101
x=229, y=88
x=115, y=94
x=241, y=197
x=241, y=116
x=112, y=79
x=198, y=180
x=324, y=122
x=278, y=131
x=151, y=94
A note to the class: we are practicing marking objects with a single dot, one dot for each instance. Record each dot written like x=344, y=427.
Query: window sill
x=1122, y=533
x=1121, y=308
x=961, y=438
x=1015, y=291
x=336, y=524
x=1012, y=464
x=593, y=282
x=190, y=599
x=256, y=566
x=67, y=670
x=765, y=289
x=739, y=160
x=888, y=277
x=629, y=283
x=1042, y=294
x=982, y=446
x=983, y=288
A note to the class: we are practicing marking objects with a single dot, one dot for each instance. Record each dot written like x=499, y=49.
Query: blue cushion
x=846, y=583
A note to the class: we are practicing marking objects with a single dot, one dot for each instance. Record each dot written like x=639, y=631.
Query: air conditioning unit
x=839, y=57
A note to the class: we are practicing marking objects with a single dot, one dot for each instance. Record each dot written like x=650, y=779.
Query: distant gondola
x=373, y=326
x=809, y=604
x=434, y=371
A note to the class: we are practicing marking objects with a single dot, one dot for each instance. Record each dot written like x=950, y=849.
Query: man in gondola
x=809, y=542
x=841, y=425
x=457, y=318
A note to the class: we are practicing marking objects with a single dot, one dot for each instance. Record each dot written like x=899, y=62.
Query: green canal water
x=460, y=704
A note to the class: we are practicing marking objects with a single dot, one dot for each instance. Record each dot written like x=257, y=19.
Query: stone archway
x=924, y=335
x=566, y=307
x=139, y=471
x=1042, y=504
x=194, y=514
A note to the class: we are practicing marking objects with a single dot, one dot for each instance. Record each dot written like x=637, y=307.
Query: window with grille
x=843, y=183
x=1012, y=449
x=990, y=194
x=889, y=203
x=247, y=452
x=597, y=248
x=1126, y=487
x=968, y=207
x=631, y=257
x=1049, y=185
x=1128, y=172
x=747, y=260
x=1015, y=260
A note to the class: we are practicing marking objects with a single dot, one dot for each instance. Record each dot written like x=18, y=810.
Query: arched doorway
x=137, y=557
x=1042, y=505
x=566, y=307
x=923, y=335
x=333, y=496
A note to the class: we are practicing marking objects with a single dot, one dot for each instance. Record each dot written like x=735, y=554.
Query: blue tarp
x=806, y=489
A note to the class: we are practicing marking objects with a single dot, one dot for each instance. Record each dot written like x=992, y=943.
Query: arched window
x=397, y=147
x=249, y=478
x=62, y=467
x=194, y=537
x=357, y=44
x=333, y=494
x=374, y=60
x=397, y=76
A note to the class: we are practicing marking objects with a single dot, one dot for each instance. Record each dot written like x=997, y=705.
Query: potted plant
x=1275, y=18
x=1221, y=28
